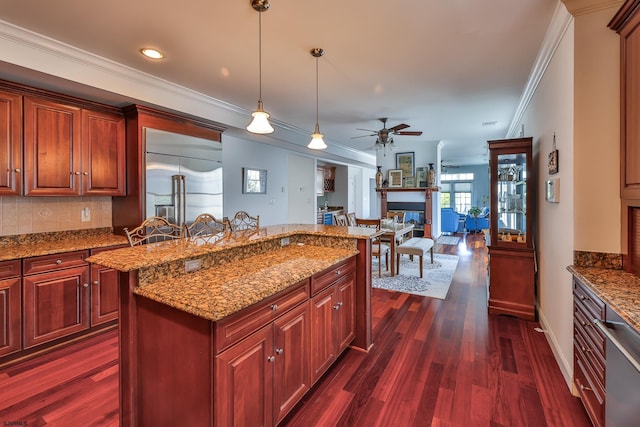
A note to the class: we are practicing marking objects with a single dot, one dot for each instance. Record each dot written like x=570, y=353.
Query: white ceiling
x=443, y=67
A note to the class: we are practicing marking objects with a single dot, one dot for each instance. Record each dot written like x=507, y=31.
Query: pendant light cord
x=316, y=92
x=260, y=57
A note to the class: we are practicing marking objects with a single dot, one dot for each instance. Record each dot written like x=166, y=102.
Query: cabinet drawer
x=54, y=262
x=239, y=325
x=10, y=269
x=591, y=397
x=588, y=300
x=320, y=281
x=588, y=329
x=591, y=358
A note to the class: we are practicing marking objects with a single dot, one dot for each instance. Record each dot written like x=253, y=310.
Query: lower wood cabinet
x=248, y=369
x=55, y=297
x=589, y=351
x=260, y=379
x=10, y=341
x=104, y=291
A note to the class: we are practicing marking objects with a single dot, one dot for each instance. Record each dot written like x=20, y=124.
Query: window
x=456, y=191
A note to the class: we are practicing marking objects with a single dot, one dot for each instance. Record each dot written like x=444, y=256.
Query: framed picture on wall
x=406, y=162
x=395, y=178
x=410, y=181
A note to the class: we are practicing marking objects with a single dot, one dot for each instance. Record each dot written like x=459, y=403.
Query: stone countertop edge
x=617, y=288
x=64, y=244
x=216, y=293
x=144, y=256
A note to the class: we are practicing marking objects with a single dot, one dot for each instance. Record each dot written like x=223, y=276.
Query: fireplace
x=414, y=214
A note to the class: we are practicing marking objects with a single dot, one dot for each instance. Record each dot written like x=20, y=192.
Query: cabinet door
x=244, y=382
x=55, y=304
x=103, y=155
x=9, y=316
x=292, y=377
x=104, y=294
x=323, y=343
x=51, y=148
x=10, y=144
x=345, y=312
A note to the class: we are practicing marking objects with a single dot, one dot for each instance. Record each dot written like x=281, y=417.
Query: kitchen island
x=239, y=340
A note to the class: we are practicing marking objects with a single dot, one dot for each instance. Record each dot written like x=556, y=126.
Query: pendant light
x=317, y=143
x=260, y=122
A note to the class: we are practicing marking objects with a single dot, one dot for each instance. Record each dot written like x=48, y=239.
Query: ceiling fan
x=385, y=136
x=444, y=168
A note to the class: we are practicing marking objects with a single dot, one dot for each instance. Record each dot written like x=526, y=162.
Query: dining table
x=392, y=232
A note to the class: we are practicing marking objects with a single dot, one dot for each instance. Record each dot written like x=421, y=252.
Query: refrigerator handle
x=179, y=198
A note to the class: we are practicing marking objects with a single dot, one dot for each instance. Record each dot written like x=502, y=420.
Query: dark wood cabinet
x=104, y=291
x=589, y=351
x=626, y=23
x=103, y=154
x=70, y=151
x=332, y=316
x=55, y=297
x=10, y=144
x=51, y=148
x=512, y=264
x=10, y=316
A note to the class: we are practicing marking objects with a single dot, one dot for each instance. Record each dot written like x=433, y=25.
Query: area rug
x=436, y=277
x=448, y=240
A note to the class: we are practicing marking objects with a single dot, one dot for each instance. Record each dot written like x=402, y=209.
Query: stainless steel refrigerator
x=183, y=176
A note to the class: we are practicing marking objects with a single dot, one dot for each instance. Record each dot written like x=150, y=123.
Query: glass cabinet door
x=512, y=197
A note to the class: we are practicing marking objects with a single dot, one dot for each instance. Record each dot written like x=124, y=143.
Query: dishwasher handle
x=614, y=340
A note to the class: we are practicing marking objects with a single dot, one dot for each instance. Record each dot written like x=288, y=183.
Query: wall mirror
x=254, y=181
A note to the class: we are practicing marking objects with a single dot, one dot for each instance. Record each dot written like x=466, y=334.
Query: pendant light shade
x=260, y=122
x=317, y=143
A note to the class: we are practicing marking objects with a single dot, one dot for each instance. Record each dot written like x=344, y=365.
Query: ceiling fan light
x=260, y=122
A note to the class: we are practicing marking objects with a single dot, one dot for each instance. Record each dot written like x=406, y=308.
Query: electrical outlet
x=191, y=265
x=284, y=241
x=85, y=215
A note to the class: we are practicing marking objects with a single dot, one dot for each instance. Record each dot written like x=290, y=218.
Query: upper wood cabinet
x=70, y=151
x=627, y=23
x=10, y=144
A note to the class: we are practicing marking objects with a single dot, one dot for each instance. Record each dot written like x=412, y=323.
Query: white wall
x=577, y=99
x=273, y=206
x=301, y=189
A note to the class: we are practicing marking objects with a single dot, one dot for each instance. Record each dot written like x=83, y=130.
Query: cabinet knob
x=58, y=261
x=96, y=283
x=337, y=271
x=271, y=359
x=17, y=170
x=77, y=173
x=337, y=306
x=85, y=285
x=274, y=307
x=279, y=350
x=584, y=387
x=85, y=173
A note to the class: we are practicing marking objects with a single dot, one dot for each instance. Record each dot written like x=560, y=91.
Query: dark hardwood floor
x=433, y=363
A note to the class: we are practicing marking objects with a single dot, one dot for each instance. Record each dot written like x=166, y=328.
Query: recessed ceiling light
x=151, y=53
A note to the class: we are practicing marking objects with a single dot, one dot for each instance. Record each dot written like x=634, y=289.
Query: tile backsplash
x=25, y=215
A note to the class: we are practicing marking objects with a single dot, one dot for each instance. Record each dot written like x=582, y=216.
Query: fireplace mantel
x=427, y=202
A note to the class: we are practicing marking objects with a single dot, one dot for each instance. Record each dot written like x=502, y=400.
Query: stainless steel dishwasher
x=622, y=408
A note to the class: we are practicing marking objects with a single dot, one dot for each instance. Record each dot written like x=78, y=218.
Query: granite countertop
x=31, y=245
x=143, y=256
x=218, y=292
x=618, y=289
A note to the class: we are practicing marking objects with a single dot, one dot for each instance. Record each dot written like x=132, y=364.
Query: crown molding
x=36, y=52
x=583, y=7
x=555, y=33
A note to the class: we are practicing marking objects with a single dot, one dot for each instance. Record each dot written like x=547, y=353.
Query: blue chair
x=450, y=220
x=476, y=224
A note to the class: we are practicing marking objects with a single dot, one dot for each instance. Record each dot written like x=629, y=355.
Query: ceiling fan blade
x=363, y=136
x=410, y=132
x=398, y=127
x=368, y=130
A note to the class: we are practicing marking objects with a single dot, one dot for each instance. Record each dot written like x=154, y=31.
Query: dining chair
x=206, y=224
x=398, y=217
x=378, y=247
x=340, y=219
x=351, y=219
x=152, y=230
x=243, y=221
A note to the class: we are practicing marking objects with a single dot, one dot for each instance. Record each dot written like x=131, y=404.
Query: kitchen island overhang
x=238, y=272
